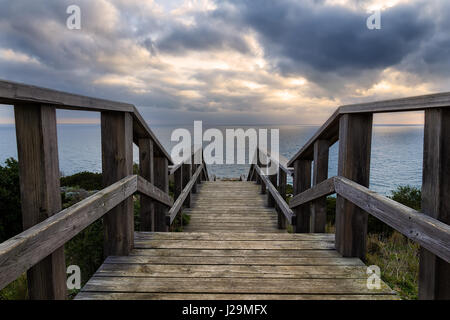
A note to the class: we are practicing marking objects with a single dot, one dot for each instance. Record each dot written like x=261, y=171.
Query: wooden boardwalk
x=232, y=249
x=231, y=206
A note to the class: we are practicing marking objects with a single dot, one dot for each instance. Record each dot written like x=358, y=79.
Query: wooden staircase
x=231, y=206
x=232, y=249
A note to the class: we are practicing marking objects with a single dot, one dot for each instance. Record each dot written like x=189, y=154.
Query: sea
x=396, y=160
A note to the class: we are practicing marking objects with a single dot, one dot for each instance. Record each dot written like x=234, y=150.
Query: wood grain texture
x=225, y=296
x=227, y=206
x=21, y=252
x=323, y=189
x=282, y=190
x=425, y=230
x=187, y=174
x=117, y=163
x=40, y=196
x=355, y=138
x=162, y=183
x=302, y=182
x=434, y=274
x=320, y=173
x=151, y=191
x=209, y=272
x=146, y=171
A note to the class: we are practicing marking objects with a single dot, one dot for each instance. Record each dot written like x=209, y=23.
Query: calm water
x=396, y=151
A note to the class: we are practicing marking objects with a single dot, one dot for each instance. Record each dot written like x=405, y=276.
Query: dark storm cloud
x=328, y=45
x=210, y=34
x=305, y=36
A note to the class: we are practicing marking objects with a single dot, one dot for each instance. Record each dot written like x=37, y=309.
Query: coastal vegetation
x=396, y=256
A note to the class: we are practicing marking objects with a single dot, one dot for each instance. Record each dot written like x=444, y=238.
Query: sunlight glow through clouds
x=17, y=57
x=232, y=56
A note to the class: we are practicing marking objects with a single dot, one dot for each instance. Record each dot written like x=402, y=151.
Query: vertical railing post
x=320, y=173
x=194, y=168
x=273, y=178
x=187, y=174
x=355, y=139
x=161, y=182
x=434, y=273
x=40, y=192
x=282, y=189
x=146, y=171
x=263, y=184
x=117, y=163
x=178, y=183
x=302, y=182
x=260, y=180
x=178, y=187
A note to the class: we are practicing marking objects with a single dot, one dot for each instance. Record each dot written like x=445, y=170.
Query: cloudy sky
x=229, y=62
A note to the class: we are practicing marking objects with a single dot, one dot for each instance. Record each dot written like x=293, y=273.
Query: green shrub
x=409, y=196
x=84, y=180
x=10, y=211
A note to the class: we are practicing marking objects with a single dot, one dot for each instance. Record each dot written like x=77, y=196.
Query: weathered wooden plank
x=425, y=230
x=21, y=252
x=438, y=100
x=263, y=261
x=237, y=229
x=233, y=236
x=322, y=189
x=434, y=275
x=355, y=138
x=162, y=183
x=236, y=236
x=117, y=163
x=320, y=173
x=302, y=182
x=243, y=244
x=239, y=225
x=231, y=271
x=282, y=190
x=219, y=296
x=146, y=171
x=233, y=285
x=271, y=202
x=239, y=219
x=187, y=175
x=322, y=253
x=17, y=93
x=40, y=194
x=151, y=191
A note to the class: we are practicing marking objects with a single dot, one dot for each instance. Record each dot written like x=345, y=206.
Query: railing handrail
x=175, y=209
x=24, y=250
x=430, y=233
x=330, y=129
x=18, y=93
x=281, y=203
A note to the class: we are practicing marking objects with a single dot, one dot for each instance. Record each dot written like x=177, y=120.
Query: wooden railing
x=40, y=248
x=352, y=126
x=275, y=183
x=186, y=175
